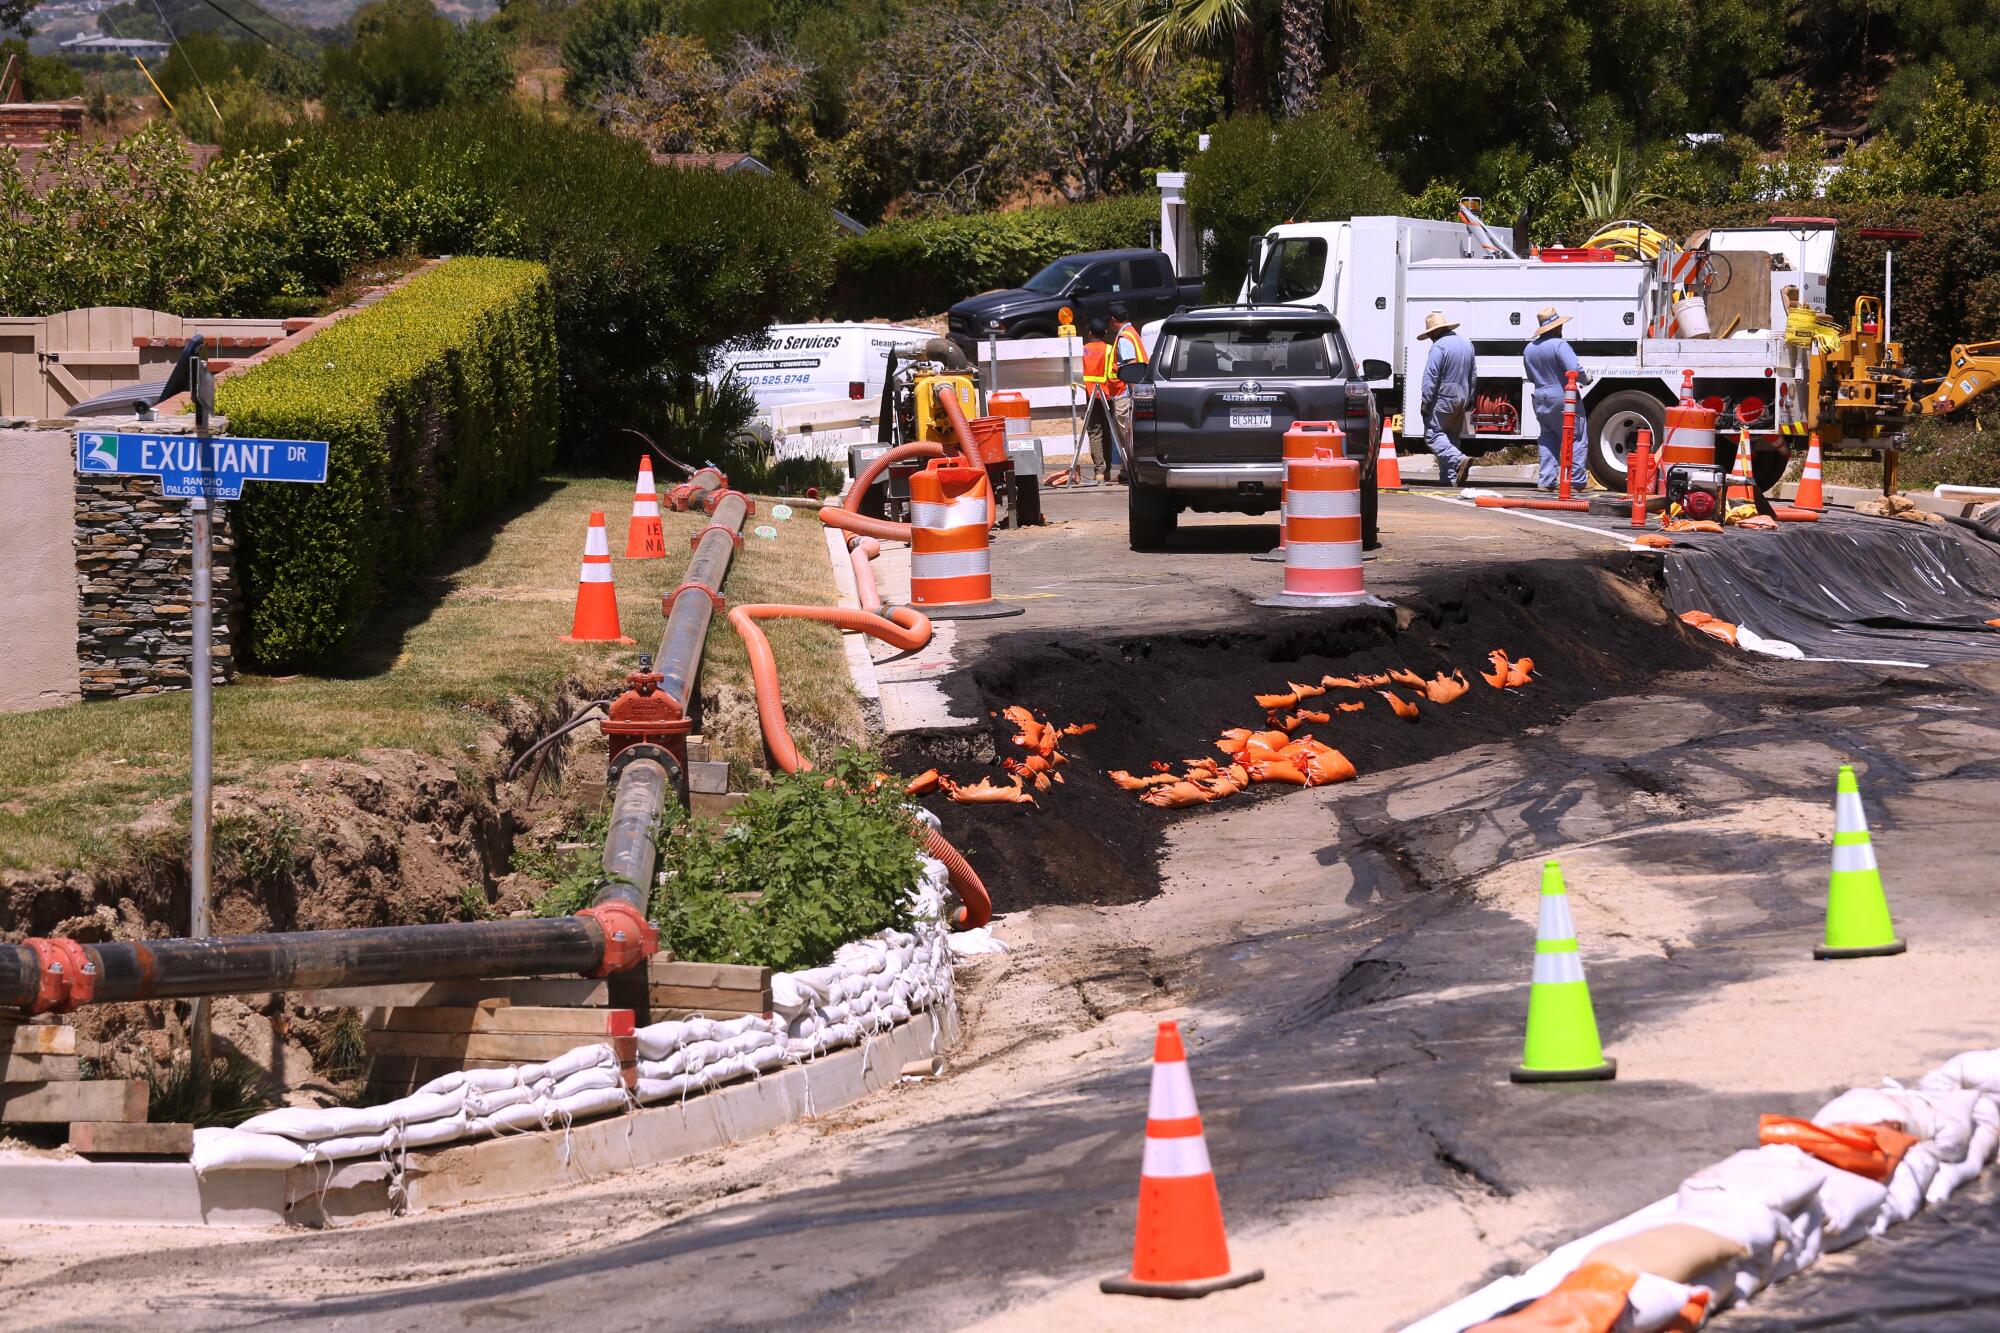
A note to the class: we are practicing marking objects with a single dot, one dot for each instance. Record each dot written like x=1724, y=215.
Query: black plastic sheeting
x=1849, y=588
x=1937, y=1273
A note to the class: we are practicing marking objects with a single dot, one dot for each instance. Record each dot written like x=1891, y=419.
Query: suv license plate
x=1249, y=418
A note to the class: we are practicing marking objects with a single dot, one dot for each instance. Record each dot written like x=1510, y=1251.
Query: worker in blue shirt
x=1548, y=359
x=1447, y=396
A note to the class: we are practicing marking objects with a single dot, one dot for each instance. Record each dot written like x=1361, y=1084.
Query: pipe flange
x=735, y=537
x=629, y=939
x=68, y=976
x=658, y=754
x=715, y=499
x=667, y=602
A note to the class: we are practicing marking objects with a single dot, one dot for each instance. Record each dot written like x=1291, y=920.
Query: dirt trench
x=1596, y=628
x=384, y=837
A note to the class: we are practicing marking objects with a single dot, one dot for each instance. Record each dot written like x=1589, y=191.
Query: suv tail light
x=1142, y=400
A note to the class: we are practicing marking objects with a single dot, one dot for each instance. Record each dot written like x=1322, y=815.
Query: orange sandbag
x=1079, y=729
x=1719, y=629
x=1176, y=796
x=1519, y=672
x=1497, y=677
x=1404, y=709
x=1289, y=723
x=1590, y=1300
x=1372, y=682
x=1271, y=740
x=1653, y=539
x=1018, y=715
x=1443, y=689
x=1270, y=702
x=1341, y=683
x=1995, y=622
x=1692, y=525
x=1306, y=691
x=1314, y=716
x=1873, y=1151
x=923, y=784
x=1277, y=770
x=1130, y=783
x=1403, y=676
x=1354, y=707
x=983, y=792
x=1329, y=766
x=1696, y=618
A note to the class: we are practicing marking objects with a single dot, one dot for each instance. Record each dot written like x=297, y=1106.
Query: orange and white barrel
x=951, y=561
x=1300, y=441
x=1322, y=532
x=1689, y=437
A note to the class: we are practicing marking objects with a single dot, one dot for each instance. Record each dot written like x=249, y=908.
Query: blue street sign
x=190, y=466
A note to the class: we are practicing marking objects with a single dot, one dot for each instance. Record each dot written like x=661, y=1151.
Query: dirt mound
x=1594, y=627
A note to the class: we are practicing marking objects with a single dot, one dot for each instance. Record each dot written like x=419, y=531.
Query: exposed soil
x=1595, y=627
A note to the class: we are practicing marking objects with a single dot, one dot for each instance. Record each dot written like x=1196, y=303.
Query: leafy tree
x=601, y=48
x=43, y=78
x=201, y=59
x=133, y=223
x=14, y=18
x=1257, y=172
x=405, y=56
x=1024, y=96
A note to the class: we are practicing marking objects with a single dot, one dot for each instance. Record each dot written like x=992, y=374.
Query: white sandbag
x=1806, y=1241
x=1882, y=1106
x=1761, y=1230
x=309, y=1123
x=1778, y=1176
x=1972, y=1069
x=1850, y=1203
x=1952, y=1124
x=243, y=1150
x=1907, y=1188
x=1751, y=640
x=1985, y=1138
x=972, y=943
x=1653, y=1303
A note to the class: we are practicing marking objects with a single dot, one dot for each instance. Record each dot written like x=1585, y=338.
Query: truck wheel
x=1150, y=518
x=1615, y=424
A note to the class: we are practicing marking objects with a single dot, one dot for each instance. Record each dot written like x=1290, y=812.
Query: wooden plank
x=38, y=1039
x=115, y=1138
x=562, y=992
x=712, y=998
x=58, y=1103
x=726, y=976
x=535, y=1019
x=514, y=1047
x=39, y=1068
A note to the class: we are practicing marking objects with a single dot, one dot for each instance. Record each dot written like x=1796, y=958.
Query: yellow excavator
x=1860, y=395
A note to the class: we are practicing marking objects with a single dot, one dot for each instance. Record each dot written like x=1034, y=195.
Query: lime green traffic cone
x=1561, y=1045
x=1857, y=912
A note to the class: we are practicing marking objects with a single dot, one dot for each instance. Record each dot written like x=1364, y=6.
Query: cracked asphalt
x=1350, y=965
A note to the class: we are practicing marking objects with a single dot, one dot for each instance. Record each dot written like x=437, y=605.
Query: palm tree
x=1162, y=28
x=1302, y=30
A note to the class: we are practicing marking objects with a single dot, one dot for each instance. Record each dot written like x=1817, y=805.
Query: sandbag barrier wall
x=1776, y=1209
x=871, y=986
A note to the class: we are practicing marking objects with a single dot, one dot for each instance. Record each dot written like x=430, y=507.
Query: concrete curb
x=171, y=1194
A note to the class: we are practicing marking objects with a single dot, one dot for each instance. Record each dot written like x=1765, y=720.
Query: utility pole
x=201, y=673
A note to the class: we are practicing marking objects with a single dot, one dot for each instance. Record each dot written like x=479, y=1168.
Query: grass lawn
x=434, y=675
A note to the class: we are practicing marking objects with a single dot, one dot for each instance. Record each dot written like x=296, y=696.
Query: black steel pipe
x=240, y=964
x=629, y=845
x=693, y=605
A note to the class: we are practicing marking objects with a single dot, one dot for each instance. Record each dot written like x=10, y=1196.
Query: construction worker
x=1548, y=360
x=1447, y=396
x=1097, y=419
x=1127, y=348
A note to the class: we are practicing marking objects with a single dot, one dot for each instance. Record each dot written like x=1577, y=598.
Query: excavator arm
x=1975, y=368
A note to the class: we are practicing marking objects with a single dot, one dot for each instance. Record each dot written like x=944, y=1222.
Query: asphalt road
x=1360, y=1048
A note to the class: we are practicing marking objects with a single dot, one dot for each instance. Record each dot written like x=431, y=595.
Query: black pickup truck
x=1090, y=284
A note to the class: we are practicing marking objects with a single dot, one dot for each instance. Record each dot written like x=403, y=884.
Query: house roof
x=726, y=163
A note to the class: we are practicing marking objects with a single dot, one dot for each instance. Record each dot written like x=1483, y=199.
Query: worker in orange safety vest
x=1127, y=348
x=1097, y=386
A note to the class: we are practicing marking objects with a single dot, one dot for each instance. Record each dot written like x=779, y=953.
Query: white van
x=818, y=386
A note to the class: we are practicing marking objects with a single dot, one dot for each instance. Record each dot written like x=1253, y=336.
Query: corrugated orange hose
x=903, y=628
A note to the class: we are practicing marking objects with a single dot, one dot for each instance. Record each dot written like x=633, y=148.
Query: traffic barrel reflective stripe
x=951, y=513
x=1689, y=437
x=1300, y=440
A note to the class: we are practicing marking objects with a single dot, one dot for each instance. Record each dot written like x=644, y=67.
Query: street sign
x=200, y=468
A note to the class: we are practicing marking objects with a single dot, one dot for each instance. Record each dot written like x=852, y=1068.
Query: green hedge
x=902, y=269
x=440, y=402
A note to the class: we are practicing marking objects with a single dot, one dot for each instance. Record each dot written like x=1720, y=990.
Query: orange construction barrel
x=1012, y=406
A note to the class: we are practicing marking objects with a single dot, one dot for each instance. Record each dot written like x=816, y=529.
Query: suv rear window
x=1272, y=350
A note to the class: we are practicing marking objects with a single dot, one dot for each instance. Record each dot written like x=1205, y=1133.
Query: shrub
x=649, y=266
x=440, y=403
x=831, y=854
x=1256, y=173
x=901, y=269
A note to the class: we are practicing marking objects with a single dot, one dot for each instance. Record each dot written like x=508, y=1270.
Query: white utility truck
x=817, y=386
x=1630, y=321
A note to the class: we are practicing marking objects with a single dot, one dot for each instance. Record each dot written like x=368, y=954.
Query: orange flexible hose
x=862, y=526
x=845, y=516
x=903, y=628
x=947, y=397
x=861, y=550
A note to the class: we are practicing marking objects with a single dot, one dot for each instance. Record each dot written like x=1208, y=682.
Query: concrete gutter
x=72, y=1190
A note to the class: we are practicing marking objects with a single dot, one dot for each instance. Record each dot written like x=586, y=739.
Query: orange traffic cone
x=643, y=539
x=596, y=619
x=1812, y=494
x=1388, y=472
x=1180, y=1250
x=1740, y=487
